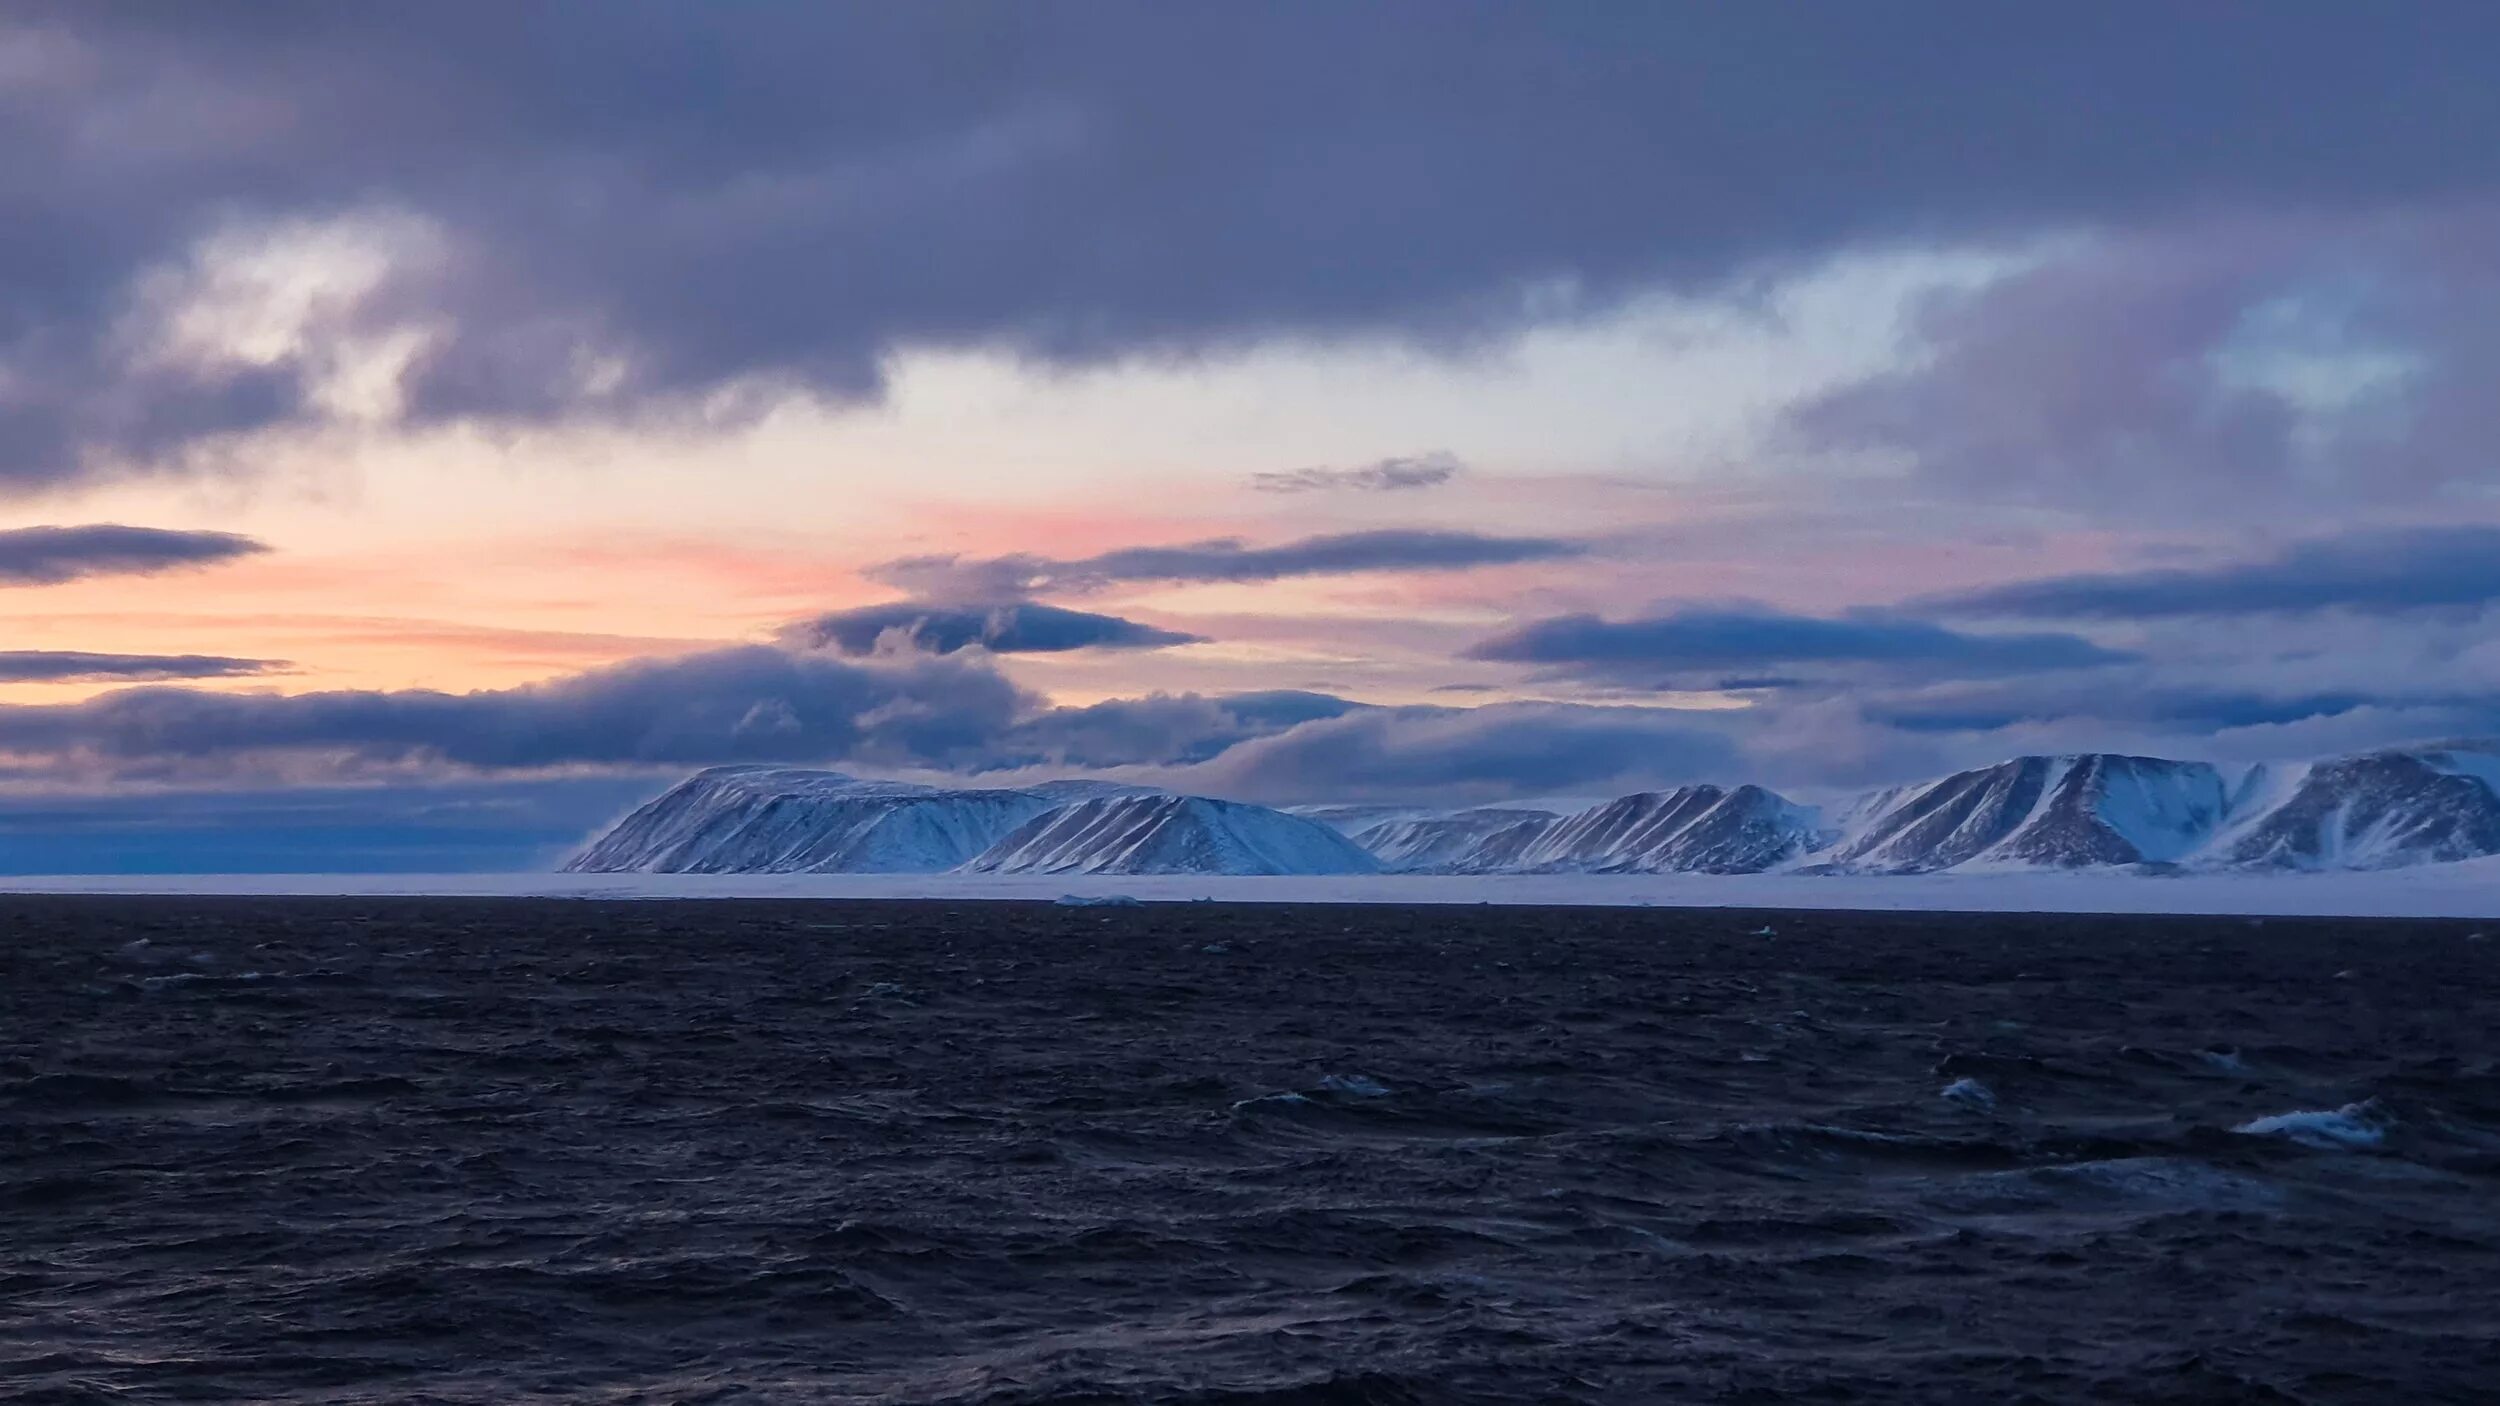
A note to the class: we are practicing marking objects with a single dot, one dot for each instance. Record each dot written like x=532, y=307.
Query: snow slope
x=1690, y=830
x=2381, y=810
x=785, y=820
x=1155, y=834
x=2038, y=812
x=1480, y=841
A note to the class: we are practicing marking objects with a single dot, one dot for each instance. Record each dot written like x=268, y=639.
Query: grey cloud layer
x=1657, y=649
x=48, y=556
x=1463, y=754
x=1157, y=730
x=1382, y=476
x=1227, y=559
x=618, y=186
x=2374, y=572
x=1020, y=627
x=751, y=703
x=71, y=665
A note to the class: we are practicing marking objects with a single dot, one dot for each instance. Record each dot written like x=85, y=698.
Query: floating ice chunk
x=1970, y=1093
x=2355, y=1125
x=1094, y=900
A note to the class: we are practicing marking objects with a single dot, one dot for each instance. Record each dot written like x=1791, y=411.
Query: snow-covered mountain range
x=1156, y=834
x=786, y=820
x=2378, y=810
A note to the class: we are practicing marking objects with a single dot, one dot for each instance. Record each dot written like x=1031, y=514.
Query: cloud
x=1156, y=730
x=750, y=703
x=2373, y=572
x=1381, y=476
x=48, y=556
x=1221, y=560
x=1023, y=627
x=2244, y=367
x=1650, y=650
x=534, y=234
x=2151, y=704
x=1500, y=751
x=69, y=665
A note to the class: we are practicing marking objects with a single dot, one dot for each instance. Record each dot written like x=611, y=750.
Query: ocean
x=486, y=1150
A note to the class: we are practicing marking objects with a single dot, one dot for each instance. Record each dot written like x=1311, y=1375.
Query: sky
x=428, y=431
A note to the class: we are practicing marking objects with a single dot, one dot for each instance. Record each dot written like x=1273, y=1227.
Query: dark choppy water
x=482, y=1151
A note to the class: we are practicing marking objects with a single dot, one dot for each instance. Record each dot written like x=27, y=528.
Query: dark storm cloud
x=2380, y=573
x=70, y=665
x=1222, y=560
x=638, y=203
x=1657, y=647
x=46, y=556
x=1382, y=476
x=1023, y=627
x=742, y=704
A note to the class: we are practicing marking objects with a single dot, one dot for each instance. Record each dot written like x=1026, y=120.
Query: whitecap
x=2353, y=1126
x=1970, y=1093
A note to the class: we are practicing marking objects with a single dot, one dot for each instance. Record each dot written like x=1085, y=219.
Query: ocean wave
x=2353, y=1127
